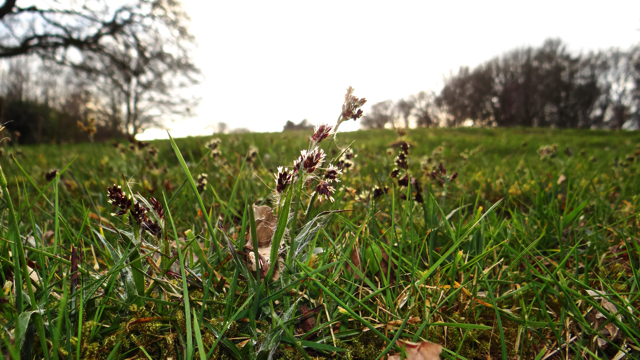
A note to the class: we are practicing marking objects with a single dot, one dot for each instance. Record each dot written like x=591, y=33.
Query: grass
x=518, y=256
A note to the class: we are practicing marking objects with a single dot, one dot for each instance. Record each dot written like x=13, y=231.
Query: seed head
x=51, y=174
x=403, y=181
x=201, y=182
x=157, y=207
x=252, y=154
x=401, y=160
x=405, y=147
x=332, y=173
x=324, y=189
x=394, y=173
x=213, y=144
x=351, y=107
x=321, y=132
x=118, y=198
x=284, y=177
x=378, y=191
x=309, y=161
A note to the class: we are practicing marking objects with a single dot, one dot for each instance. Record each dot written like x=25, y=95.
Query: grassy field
x=493, y=243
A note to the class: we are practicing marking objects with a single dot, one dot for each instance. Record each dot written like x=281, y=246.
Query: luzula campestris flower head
x=351, y=107
x=321, y=132
x=284, y=177
x=332, y=173
x=118, y=198
x=309, y=161
x=324, y=189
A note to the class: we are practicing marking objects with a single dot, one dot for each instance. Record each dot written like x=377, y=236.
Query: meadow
x=491, y=243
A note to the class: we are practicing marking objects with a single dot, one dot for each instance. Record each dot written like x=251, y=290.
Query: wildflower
x=351, y=107
x=201, y=182
x=418, y=189
x=344, y=164
x=309, y=161
x=324, y=189
x=157, y=207
x=213, y=144
x=401, y=160
x=139, y=214
x=394, y=173
x=118, y=198
x=405, y=147
x=378, y=191
x=453, y=176
x=284, y=177
x=321, y=132
x=215, y=153
x=348, y=154
x=403, y=181
x=51, y=174
x=442, y=169
x=153, y=151
x=252, y=154
x=331, y=174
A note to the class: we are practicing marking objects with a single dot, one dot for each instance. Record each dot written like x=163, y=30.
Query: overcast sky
x=266, y=62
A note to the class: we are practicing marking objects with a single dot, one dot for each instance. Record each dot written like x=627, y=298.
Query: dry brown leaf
x=397, y=323
x=418, y=351
x=597, y=319
x=266, y=223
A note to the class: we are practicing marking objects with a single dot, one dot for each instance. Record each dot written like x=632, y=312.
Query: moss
x=367, y=346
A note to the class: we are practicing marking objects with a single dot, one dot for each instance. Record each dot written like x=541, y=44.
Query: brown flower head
x=403, y=181
x=324, y=189
x=157, y=207
x=252, y=154
x=213, y=144
x=201, y=182
x=284, y=178
x=378, y=191
x=321, y=132
x=139, y=213
x=405, y=147
x=394, y=173
x=332, y=173
x=118, y=198
x=51, y=174
x=351, y=107
x=401, y=160
x=309, y=161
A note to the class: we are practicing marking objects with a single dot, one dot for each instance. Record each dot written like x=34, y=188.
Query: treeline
x=45, y=104
x=545, y=86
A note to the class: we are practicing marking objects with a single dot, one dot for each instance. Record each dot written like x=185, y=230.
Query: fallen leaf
x=418, y=351
x=598, y=319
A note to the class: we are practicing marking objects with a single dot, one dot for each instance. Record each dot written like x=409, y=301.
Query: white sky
x=266, y=62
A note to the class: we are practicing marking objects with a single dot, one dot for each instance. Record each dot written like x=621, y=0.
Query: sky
x=266, y=62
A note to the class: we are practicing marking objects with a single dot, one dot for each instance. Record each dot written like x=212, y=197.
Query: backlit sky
x=266, y=62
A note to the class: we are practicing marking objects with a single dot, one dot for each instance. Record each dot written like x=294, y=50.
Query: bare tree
x=425, y=109
x=405, y=107
x=379, y=115
x=135, y=57
x=54, y=27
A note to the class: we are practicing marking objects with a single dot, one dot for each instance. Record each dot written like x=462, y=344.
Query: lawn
x=492, y=243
